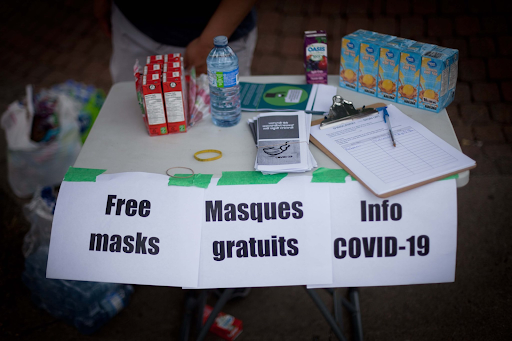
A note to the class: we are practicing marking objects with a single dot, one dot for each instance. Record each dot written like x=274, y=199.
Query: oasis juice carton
x=315, y=57
x=369, y=55
x=434, y=79
x=389, y=63
x=409, y=73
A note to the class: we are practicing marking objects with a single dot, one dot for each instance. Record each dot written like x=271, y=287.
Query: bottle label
x=223, y=79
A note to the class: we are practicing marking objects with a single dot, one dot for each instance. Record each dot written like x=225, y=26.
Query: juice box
x=152, y=68
x=226, y=326
x=156, y=59
x=349, y=61
x=315, y=57
x=434, y=78
x=175, y=101
x=154, y=117
x=389, y=63
x=409, y=73
x=369, y=54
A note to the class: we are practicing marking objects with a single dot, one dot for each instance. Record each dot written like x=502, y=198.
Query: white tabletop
x=119, y=142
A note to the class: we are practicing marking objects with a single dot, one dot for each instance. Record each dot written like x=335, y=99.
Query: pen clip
x=384, y=111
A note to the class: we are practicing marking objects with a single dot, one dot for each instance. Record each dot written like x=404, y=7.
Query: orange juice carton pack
x=434, y=94
x=315, y=57
x=349, y=61
x=369, y=55
x=154, y=117
x=226, y=326
x=389, y=62
x=175, y=101
x=409, y=73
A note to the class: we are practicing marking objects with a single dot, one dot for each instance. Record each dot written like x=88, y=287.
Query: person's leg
x=244, y=49
x=129, y=44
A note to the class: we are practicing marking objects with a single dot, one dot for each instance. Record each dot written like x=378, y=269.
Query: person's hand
x=102, y=12
x=196, y=53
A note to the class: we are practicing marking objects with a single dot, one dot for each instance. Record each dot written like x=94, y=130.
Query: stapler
x=342, y=110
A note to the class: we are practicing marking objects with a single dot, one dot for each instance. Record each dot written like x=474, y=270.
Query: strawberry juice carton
x=174, y=89
x=154, y=117
x=315, y=57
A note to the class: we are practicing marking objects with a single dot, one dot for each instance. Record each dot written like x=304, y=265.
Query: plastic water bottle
x=86, y=305
x=222, y=65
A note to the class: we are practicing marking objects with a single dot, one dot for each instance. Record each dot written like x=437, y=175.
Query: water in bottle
x=222, y=65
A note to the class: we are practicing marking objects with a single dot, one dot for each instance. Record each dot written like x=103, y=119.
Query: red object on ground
x=226, y=326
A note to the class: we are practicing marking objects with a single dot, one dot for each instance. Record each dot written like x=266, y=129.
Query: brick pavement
x=48, y=42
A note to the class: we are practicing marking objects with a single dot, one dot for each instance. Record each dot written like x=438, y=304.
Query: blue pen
x=388, y=121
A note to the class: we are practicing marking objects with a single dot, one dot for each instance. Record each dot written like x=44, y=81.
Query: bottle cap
x=220, y=41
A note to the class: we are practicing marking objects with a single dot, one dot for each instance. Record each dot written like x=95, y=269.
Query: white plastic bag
x=30, y=164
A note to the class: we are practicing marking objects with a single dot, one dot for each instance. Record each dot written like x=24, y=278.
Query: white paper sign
x=409, y=238
x=266, y=235
x=127, y=228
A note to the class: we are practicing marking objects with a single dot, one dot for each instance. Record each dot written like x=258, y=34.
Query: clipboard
x=383, y=195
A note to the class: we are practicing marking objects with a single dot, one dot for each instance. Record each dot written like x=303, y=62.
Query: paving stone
x=291, y=7
x=266, y=65
x=472, y=69
x=452, y=7
x=482, y=47
x=506, y=90
x=499, y=68
x=474, y=113
x=504, y=165
x=398, y=6
x=358, y=22
x=424, y=7
x=505, y=45
x=269, y=5
x=497, y=24
x=291, y=46
x=317, y=23
x=495, y=151
x=332, y=7
x=489, y=133
x=293, y=66
x=507, y=130
x=412, y=27
x=358, y=7
x=338, y=28
x=463, y=132
x=293, y=25
x=467, y=25
x=386, y=25
x=334, y=50
x=269, y=22
x=502, y=112
x=453, y=113
x=266, y=44
x=440, y=26
x=377, y=7
x=486, y=92
x=456, y=43
x=484, y=166
x=480, y=7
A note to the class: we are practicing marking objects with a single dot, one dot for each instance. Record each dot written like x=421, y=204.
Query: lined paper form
x=364, y=146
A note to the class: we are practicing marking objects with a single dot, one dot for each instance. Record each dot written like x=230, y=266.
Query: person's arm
x=224, y=22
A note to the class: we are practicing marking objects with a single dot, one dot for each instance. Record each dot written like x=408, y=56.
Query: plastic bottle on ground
x=222, y=65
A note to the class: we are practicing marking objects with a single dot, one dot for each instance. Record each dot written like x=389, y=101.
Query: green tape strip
x=82, y=174
x=249, y=178
x=454, y=176
x=198, y=180
x=323, y=174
